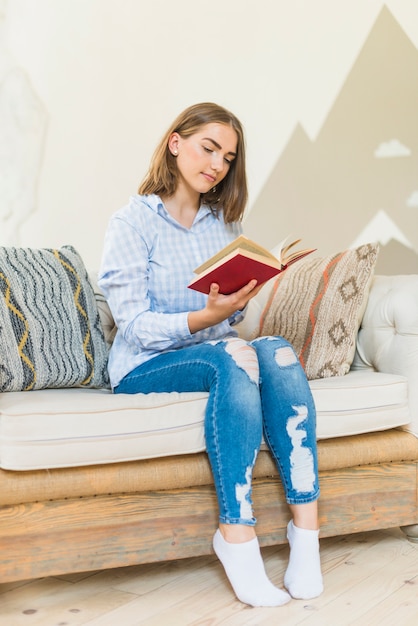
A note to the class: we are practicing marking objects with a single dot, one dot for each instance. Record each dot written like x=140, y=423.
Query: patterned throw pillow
x=318, y=304
x=50, y=332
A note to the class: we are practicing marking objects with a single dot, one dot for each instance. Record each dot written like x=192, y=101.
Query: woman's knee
x=243, y=355
x=282, y=350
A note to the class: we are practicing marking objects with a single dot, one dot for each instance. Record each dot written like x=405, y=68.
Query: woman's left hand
x=220, y=307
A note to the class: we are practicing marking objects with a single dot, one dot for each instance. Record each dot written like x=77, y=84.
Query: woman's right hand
x=220, y=307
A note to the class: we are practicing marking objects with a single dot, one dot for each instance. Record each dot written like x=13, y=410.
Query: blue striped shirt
x=148, y=261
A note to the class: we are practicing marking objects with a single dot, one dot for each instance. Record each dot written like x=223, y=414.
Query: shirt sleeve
x=124, y=280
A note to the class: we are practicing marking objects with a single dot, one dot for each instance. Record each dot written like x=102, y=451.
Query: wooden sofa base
x=98, y=532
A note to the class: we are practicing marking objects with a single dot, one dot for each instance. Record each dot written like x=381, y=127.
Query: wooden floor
x=371, y=579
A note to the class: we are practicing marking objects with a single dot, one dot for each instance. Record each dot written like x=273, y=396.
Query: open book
x=241, y=261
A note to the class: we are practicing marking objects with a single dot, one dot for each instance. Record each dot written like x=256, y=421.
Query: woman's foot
x=244, y=567
x=303, y=577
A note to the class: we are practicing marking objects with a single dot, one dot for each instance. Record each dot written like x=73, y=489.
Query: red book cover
x=241, y=261
x=234, y=272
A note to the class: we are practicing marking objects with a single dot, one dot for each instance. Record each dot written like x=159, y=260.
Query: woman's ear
x=173, y=144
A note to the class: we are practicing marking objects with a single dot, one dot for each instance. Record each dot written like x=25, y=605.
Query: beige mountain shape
x=326, y=191
x=395, y=258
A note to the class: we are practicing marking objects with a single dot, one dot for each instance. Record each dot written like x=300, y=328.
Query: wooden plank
x=83, y=534
x=352, y=500
x=360, y=571
x=54, y=537
x=369, y=497
x=370, y=578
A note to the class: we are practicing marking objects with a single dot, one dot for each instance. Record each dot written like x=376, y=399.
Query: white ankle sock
x=244, y=567
x=303, y=577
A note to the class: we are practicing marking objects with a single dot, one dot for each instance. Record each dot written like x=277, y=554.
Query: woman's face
x=204, y=159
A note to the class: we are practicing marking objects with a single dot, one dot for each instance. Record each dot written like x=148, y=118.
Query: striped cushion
x=318, y=304
x=50, y=332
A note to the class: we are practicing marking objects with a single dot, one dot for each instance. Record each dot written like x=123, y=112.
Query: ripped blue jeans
x=254, y=388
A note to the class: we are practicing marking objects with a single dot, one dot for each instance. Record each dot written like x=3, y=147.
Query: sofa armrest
x=388, y=337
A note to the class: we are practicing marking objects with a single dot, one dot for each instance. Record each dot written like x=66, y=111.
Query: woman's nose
x=217, y=162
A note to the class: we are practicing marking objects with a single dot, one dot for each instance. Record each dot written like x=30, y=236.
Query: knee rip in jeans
x=242, y=492
x=244, y=356
x=285, y=356
x=301, y=458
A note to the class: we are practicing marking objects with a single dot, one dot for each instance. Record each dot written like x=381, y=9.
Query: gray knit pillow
x=318, y=304
x=50, y=332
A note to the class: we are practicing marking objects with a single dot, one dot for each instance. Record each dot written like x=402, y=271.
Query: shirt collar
x=155, y=203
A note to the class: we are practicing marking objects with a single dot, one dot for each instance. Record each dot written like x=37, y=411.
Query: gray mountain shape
x=326, y=191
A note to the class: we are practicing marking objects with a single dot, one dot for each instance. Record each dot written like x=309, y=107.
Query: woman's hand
x=220, y=307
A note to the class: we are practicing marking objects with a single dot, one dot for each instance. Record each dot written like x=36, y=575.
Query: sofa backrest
x=106, y=317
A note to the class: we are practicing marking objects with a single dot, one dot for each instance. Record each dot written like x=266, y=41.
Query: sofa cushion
x=317, y=304
x=360, y=402
x=74, y=427
x=50, y=331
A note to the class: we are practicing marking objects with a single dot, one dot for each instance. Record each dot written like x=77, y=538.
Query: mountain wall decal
x=326, y=191
x=395, y=258
x=381, y=229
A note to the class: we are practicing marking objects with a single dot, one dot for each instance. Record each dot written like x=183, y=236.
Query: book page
x=242, y=242
x=258, y=258
x=286, y=256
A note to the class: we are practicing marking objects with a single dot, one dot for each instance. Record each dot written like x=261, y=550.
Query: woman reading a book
x=172, y=338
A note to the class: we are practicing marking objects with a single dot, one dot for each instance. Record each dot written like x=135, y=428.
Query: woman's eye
x=207, y=149
x=228, y=161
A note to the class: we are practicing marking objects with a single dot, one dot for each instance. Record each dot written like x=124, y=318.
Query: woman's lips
x=208, y=177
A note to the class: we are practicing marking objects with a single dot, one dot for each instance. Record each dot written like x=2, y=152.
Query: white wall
x=108, y=76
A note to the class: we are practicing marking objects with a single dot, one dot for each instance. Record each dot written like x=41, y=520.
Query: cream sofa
x=90, y=480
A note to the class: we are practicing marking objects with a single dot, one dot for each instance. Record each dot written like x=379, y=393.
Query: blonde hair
x=231, y=194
